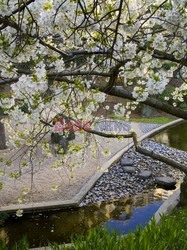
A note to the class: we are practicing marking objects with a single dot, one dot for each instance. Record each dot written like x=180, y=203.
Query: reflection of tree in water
x=99, y=213
x=61, y=225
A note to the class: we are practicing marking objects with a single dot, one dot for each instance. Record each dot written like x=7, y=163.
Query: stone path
x=134, y=173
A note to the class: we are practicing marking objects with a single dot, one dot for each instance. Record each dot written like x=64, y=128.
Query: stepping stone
x=126, y=162
x=145, y=174
x=129, y=170
x=165, y=181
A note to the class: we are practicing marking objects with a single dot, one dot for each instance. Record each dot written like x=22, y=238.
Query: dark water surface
x=124, y=215
x=175, y=137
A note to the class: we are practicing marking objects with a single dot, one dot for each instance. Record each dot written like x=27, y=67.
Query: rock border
x=76, y=200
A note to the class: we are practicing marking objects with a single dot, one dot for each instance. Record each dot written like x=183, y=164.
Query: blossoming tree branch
x=65, y=57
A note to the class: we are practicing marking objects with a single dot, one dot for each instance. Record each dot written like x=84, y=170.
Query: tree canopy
x=66, y=56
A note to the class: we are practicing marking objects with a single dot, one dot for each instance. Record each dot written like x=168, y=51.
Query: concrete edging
x=168, y=205
x=75, y=201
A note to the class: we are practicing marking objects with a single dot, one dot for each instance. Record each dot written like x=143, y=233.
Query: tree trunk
x=2, y=136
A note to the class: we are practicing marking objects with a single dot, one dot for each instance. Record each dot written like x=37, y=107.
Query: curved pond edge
x=76, y=200
x=168, y=205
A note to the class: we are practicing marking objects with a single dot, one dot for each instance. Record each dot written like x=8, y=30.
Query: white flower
x=26, y=85
x=119, y=110
x=130, y=50
x=157, y=84
x=25, y=191
x=19, y=213
x=7, y=102
x=17, y=116
x=99, y=97
x=40, y=72
x=140, y=94
x=21, y=199
x=129, y=65
x=174, y=104
x=159, y=42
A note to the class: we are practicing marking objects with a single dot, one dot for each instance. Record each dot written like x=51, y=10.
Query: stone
x=71, y=136
x=144, y=174
x=129, y=169
x=64, y=144
x=126, y=162
x=165, y=181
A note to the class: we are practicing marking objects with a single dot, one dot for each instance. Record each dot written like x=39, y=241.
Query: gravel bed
x=116, y=183
x=147, y=127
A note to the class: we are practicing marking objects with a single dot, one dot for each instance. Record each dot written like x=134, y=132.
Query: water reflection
x=123, y=226
x=175, y=137
x=123, y=215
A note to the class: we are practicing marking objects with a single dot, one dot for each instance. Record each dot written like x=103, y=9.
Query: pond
x=123, y=215
x=175, y=137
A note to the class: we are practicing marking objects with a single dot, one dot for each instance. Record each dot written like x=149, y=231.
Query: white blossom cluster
x=157, y=84
x=119, y=110
x=57, y=21
x=180, y=93
x=32, y=87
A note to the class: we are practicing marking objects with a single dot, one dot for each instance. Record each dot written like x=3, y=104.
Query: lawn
x=156, y=120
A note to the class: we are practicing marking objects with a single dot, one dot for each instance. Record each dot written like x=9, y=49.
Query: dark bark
x=2, y=136
x=153, y=102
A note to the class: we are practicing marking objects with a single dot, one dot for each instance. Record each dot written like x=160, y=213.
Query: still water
x=124, y=215
x=175, y=137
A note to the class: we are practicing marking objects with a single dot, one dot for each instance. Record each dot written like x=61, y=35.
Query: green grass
x=170, y=234
x=20, y=245
x=158, y=120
